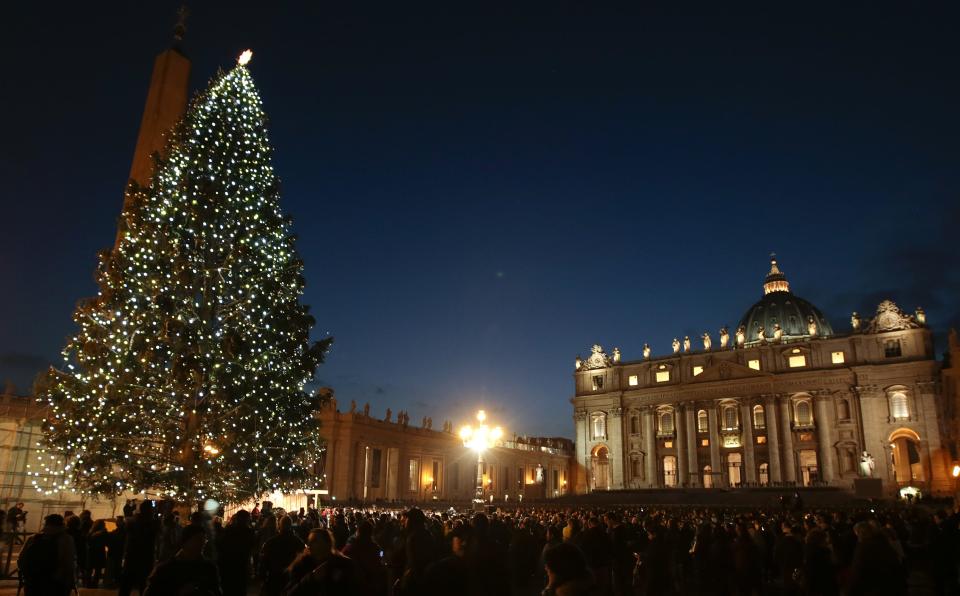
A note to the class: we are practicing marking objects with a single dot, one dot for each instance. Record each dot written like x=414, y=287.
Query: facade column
x=789, y=457
x=693, y=466
x=583, y=471
x=825, y=422
x=715, y=464
x=773, y=437
x=680, y=441
x=616, y=450
x=749, y=458
x=650, y=440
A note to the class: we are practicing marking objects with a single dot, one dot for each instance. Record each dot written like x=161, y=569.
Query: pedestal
x=868, y=488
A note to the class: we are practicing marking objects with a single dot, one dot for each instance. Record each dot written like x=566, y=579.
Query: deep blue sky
x=483, y=193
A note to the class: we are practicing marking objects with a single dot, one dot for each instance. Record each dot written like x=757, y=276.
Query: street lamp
x=480, y=438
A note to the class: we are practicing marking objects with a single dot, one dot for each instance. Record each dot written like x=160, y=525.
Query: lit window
x=599, y=426
x=663, y=376
x=633, y=381
x=597, y=383
x=666, y=423
x=730, y=418
x=764, y=476
x=798, y=361
x=754, y=364
x=668, y=444
x=704, y=442
x=898, y=406
x=836, y=357
x=697, y=370
x=804, y=415
x=702, y=418
x=804, y=437
x=759, y=421
x=761, y=440
x=414, y=481
x=891, y=348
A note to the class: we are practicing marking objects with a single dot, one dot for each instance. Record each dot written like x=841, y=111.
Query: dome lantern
x=775, y=281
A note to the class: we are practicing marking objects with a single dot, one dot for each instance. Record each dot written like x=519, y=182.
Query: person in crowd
x=417, y=550
x=47, y=562
x=369, y=558
x=139, y=550
x=276, y=555
x=187, y=572
x=567, y=573
x=97, y=542
x=79, y=538
x=321, y=570
x=116, y=542
x=876, y=568
x=453, y=574
x=169, y=541
x=235, y=546
x=819, y=575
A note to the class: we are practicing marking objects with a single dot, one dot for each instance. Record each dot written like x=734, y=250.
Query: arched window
x=666, y=422
x=804, y=415
x=729, y=417
x=843, y=410
x=702, y=424
x=634, y=425
x=599, y=426
x=764, y=476
x=759, y=420
x=899, y=410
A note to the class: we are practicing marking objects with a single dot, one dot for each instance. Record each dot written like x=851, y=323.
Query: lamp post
x=480, y=438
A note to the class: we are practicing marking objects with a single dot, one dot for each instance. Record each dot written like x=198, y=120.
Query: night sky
x=482, y=194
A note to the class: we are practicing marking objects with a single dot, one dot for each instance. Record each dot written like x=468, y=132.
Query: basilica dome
x=797, y=318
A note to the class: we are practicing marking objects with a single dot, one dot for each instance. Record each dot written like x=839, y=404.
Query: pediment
x=725, y=371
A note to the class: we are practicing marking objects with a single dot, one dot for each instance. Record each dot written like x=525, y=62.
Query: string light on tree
x=187, y=373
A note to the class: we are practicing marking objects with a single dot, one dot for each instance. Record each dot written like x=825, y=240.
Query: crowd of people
x=520, y=552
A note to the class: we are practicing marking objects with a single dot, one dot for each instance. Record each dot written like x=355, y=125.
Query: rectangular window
x=761, y=440
x=436, y=475
x=806, y=437
x=668, y=444
x=633, y=380
x=754, y=364
x=891, y=348
x=697, y=370
x=704, y=442
x=597, y=383
x=556, y=479
x=836, y=357
x=375, y=459
x=455, y=476
x=663, y=376
x=798, y=361
x=414, y=480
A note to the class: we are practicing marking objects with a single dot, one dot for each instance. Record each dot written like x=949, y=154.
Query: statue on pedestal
x=855, y=321
x=387, y=417
x=921, y=316
x=366, y=409
x=724, y=337
x=707, y=342
x=646, y=351
x=811, y=326
x=741, y=336
x=761, y=334
x=867, y=465
x=686, y=343
x=353, y=406
x=777, y=332
x=578, y=362
x=676, y=345
x=616, y=354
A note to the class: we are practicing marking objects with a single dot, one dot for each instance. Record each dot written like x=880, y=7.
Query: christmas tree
x=187, y=376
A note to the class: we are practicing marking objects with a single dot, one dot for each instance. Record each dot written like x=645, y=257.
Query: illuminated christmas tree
x=187, y=376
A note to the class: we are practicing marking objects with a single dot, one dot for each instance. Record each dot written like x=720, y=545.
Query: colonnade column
x=650, y=440
x=616, y=453
x=824, y=422
x=789, y=457
x=680, y=440
x=693, y=465
x=773, y=437
x=749, y=459
x=715, y=465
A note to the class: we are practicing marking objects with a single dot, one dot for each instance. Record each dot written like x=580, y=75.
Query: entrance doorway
x=601, y=468
x=670, y=470
x=707, y=477
x=809, y=472
x=905, y=452
x=734, y=466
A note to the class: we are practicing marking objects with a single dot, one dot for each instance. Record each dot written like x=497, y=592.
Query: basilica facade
x=784, y=400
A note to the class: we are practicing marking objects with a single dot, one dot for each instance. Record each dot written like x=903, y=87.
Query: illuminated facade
x=784, y=401
x=371, y=458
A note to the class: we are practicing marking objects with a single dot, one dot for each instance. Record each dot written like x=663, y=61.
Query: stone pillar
x=680, y=441
x=715, y=463
x=650, y=440
x=789, y=457
x=749, y=457
x=825, y=422
x=773, y=437
x=582, y=470
x=615, y=445
x=693, y=466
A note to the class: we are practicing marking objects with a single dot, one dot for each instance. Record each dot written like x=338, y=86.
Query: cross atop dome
x=775, y=281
